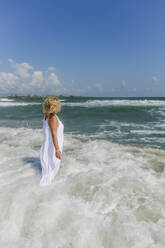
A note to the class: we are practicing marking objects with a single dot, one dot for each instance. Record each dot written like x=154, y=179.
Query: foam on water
x=97, y=103
x=92, y=103
x=152, y=134
x=6, y=100
x=105, y=194
x=13, y=104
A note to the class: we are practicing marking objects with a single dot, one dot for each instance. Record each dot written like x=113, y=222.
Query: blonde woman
x=53, y=137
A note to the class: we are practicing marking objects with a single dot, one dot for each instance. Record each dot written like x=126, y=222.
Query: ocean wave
x=6, y=100
x=100, y=103
x=13, y=104
x=101, y=188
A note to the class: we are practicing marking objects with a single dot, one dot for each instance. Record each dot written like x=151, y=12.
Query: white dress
x=49, y=162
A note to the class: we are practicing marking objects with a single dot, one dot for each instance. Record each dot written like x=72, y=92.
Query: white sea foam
x=97, y=103
x=148, y=131
x=6, y=100
x=13, y=104
x=105, y=194
x=91, y=103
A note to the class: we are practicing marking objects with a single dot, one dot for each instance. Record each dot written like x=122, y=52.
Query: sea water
x=110, y=189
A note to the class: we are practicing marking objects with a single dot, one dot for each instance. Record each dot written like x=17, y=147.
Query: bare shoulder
x=53, y=121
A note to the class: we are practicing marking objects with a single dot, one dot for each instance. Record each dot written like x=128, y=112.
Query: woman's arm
x=53, y=124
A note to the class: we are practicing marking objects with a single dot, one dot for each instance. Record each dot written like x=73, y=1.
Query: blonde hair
x=50, y=106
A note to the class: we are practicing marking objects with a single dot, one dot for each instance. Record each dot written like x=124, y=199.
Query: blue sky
x=90, y=48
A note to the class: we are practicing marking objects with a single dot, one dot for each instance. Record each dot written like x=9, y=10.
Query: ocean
x=110, y=189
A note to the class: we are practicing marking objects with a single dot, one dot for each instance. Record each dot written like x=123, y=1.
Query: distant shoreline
x=72, y=96
x=17, y=95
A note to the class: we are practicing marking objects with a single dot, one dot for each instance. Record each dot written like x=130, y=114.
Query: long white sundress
x=49, y=162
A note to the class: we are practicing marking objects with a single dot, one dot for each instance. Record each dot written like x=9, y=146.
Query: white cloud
x=113, y=89
x=52, y=78
x=156, y=78
x=25, y=80
x=133, y=89
x=37, y=77
x=99, y=86
x=21, y=69
x=8, y=81
x=9, y=78
x=51, y=68
x=123, y=83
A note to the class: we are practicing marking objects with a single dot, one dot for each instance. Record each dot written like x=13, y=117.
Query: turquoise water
x=110, y=188
x=139, y=121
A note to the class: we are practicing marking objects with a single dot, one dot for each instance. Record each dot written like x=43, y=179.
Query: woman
x=53, y=137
